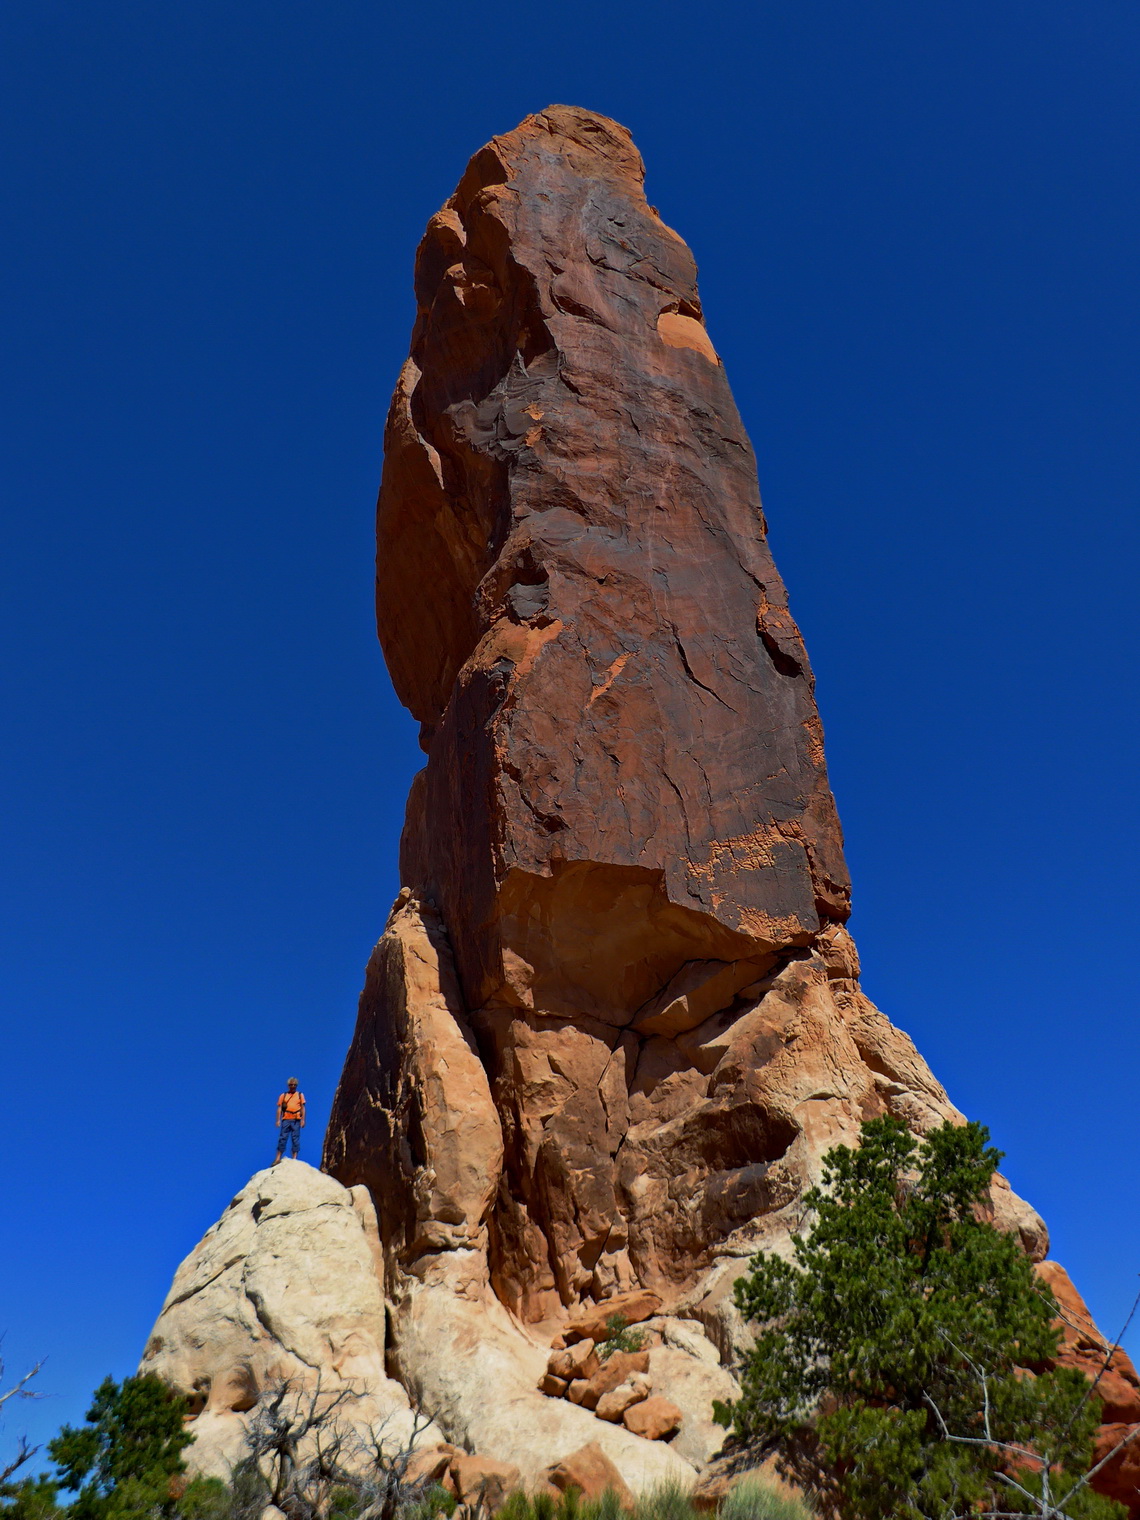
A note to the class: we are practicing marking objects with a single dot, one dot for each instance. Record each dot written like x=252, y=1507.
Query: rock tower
x=614, y=1020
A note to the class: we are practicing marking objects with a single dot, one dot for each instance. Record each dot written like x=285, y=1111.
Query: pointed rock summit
x=614, y=1021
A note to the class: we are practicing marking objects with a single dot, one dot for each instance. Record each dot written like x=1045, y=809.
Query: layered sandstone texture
x=614, y=1020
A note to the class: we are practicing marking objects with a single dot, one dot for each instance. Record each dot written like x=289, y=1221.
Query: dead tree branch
x=19, y=1390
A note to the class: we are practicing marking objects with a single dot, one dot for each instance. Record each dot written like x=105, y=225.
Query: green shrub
x=668, y=1501
x=607, y=1507
x=568, y=1506
x=206, y=1499
x=435, y=1501
x=517, y=1506
x=753, y=1500
x=248, y=1488
x=344, y=1504
x=30, y=1499
x=749, y=1500
x=122, y=1461
x=903, y=1316
x=619, y=1337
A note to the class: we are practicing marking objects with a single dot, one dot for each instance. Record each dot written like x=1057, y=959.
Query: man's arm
x=279, y=1107
x=303, y=1107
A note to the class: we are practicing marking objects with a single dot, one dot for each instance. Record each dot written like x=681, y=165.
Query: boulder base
x=482, y=1481
x=285, y=1286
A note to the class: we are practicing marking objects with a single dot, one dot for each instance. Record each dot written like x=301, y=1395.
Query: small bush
x=442, y=1503
x=31, y=1499
x=435, y=1501
x=893, y=1341
x=249, y=1492
x=344, y=1504
x=750, y=1500
x=518, y=1507
x=753, y=1500
x=206, y=1499
x=568, y=1506
x=608, y=1507
x=668, y=1501
x=619, y=1337
x=122, y=1461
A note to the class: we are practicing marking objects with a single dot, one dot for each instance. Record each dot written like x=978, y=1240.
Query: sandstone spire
x=615, y=1017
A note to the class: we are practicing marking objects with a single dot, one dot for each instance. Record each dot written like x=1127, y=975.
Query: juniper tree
x=902, y=1321
x=124, y=1460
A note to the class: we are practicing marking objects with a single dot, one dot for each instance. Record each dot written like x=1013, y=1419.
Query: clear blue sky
x=917, y=227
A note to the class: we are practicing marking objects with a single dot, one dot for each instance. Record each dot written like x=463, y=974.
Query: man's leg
x=295, y=1137
x=280, y=1142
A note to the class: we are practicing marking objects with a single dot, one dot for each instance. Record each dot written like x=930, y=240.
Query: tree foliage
x=619, y=1337
x=124, y=1461
x=903, y=1323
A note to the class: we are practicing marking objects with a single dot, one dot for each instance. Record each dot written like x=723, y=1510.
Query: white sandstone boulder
x=285, y=1285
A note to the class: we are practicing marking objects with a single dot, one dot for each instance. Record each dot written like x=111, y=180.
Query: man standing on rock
x=290, y=1119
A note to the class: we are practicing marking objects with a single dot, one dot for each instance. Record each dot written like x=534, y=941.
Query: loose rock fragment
x=483, y=1480
x=655, y=1419
x=612, y=1405
x=591, y=1472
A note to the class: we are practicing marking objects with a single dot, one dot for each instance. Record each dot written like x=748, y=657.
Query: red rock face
x=614, y=1021
x=624, y=877
x=576, y=599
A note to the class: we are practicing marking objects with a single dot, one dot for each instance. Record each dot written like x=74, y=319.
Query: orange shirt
x=292, y=1105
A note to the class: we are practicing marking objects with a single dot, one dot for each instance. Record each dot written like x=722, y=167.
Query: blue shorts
x=290, y=1130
